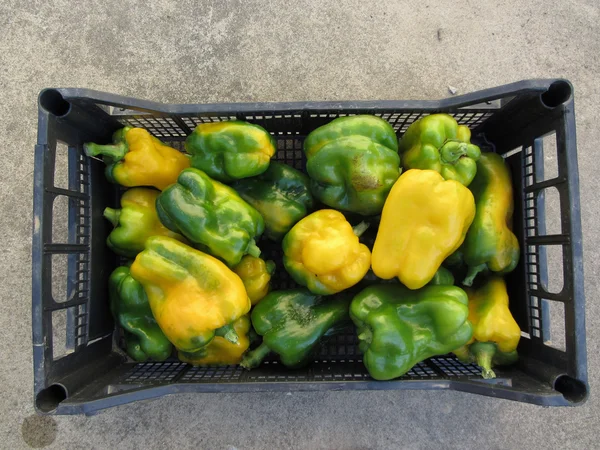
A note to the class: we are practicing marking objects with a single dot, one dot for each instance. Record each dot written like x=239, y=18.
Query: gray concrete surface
x=253, y=51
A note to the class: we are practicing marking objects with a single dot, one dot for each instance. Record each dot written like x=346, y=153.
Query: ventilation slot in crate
x=176, y=128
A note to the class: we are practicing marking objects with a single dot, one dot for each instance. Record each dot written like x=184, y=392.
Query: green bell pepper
x=281, y=195
x=398, y=327
x=437, y=142
x=443, y=277
x=228, y=151
x=292, y=324
x=353, y=163
x=211, y=215
x=129, y=306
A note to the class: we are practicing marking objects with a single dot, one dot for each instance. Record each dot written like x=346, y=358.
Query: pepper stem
x=452, y=151
x=227, y=332
x=484, y=353
x=254, y=357
x=253, y=249
x=112, y=215
x=366, y=335
x=472, y=273
x=359, y=229
x=114, y=152
x=252, y=336
x=270, y=267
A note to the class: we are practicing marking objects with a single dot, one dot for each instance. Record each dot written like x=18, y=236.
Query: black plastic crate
x=78, y=368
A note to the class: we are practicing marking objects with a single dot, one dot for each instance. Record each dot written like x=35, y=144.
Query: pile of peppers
x=404, y=241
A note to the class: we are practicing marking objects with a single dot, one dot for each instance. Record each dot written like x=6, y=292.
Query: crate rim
x=459, y=101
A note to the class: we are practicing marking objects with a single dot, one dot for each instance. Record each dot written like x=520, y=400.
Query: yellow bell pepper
x=193, y=296
x=136, y=158
x=322, y=252
x=496, y=334
x=220, y=351
x=424, y=220
x=256, y=276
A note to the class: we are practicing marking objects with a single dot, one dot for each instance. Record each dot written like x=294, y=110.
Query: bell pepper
x=228, y=151
x=193, y=296
x=353, y=163
x=496, y=334
x=211, y=215
x=490, y=244
x=322, y=252
x=397, y=327
x=443, y=277
x=129, y=306
x=136, y=158
x=437, y=142
x=256, y=275
x=135, y=222
x=281, y=195
x=424, y=220
x=221, y=352
x=292, y=324
x=456, y=260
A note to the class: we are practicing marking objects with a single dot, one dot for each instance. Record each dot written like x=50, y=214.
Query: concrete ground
x=267, y=51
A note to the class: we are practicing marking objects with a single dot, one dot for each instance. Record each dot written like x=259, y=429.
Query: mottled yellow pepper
x=193, y=296
x=490, y=245
x=136, y=158
x=322, y=252
x=256, y=276
x=496, y=334
x=135, y=222
x=424, y=220
x=220, y=351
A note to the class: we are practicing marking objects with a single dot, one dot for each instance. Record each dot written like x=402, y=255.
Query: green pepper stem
x=114, y=152
x=452, y=151
x=366, y=335
x=472, y=273
x=359, y=229
x=112, y=215
x=227, y=332
x=254, y=357
x=484, y=354
x=270, y=267
x=253, y=249
x=253, y=336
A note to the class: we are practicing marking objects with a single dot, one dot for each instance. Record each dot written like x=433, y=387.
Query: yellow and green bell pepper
x=193, y=296
x=231, y=150
x=256, y=276
x=323, y=253
x=490, y=244
x=135, y=222
x=353, y=163
x=220, y=351
x=437, y=142
x=496, y=333
x=136, y=158
x=211, y=215
x=424, y=220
